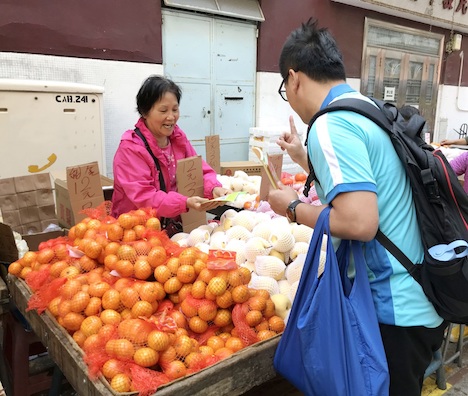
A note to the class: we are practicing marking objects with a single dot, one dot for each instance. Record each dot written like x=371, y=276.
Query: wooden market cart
x=236, y=375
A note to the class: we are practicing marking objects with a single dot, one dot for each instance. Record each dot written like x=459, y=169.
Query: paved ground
x=456, y=377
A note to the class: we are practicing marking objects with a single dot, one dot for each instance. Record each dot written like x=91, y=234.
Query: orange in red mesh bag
x=221, y=260
x=45, y=294
x=147, y=381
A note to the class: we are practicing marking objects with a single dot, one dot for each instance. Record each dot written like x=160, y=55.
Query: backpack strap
x=398, y=254
x=379, y=113
x=373, y=112
x=382, y=114
x=162, y=184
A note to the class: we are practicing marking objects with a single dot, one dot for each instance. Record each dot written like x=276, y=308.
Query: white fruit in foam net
x=281, y=239
x=198, y=235
x=298, y=248
x=228, y=214
x=302, y=233
x=262, y=230
x=218, y=228
x=265, y=283
x=218, y=240
x=293, y=271
x=244, y=218
x=281, y=256
x=250, y=188
x=240, y=257
x=323, y=259
x=261, y=218
x=237, y=184
x=256, y=246
x=282, y=304
x=240, y=174
x=208, y=227
x=204, y=247
x=284, y=287
x=179, y=236
x=250, y=266
x=238, y=232
x=270, y=266
x=293, y=291
x=235, y=245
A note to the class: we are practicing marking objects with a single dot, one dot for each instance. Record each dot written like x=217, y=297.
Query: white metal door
x=214, y=62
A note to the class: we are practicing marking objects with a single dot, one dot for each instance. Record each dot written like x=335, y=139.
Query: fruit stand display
x=253, y=364
x=122, y=308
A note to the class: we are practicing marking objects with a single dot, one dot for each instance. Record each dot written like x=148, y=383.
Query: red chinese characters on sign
x=462, y=5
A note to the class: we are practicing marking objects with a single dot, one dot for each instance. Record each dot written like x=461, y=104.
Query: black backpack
x=441, y=208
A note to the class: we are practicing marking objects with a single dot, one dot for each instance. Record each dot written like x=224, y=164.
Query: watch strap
x=292, y=208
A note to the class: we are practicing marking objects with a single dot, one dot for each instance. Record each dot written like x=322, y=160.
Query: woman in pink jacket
x=136, y=176
x=460, y=166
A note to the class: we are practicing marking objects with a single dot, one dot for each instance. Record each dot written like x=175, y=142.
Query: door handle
x=233, y=98
x=205, y=112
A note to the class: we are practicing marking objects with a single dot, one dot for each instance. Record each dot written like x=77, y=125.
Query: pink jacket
x=136, y=179
x=460, y=166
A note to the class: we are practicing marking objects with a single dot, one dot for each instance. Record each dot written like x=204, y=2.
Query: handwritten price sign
x=190, y=183
x=212, y=152
x=84, y=188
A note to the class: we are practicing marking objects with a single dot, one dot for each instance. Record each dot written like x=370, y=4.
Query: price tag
x=190, y=183
x=212, y=152
x=84, y=188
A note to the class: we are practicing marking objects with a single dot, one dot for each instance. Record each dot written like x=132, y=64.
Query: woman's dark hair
x=314, y=52
x=407, y=111
x=152, y=90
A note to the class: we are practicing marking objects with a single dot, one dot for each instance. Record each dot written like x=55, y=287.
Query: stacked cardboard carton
x=27, y=203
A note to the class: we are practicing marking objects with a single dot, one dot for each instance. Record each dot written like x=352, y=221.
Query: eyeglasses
x=282, y=90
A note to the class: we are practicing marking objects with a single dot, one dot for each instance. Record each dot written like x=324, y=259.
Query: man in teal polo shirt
x=361, y=176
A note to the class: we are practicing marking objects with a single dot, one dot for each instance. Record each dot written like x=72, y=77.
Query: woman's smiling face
x=163, y=117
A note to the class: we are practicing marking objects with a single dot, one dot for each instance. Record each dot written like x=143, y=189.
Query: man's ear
x=293, y=80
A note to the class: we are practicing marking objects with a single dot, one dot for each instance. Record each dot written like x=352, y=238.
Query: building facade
x=225, y=57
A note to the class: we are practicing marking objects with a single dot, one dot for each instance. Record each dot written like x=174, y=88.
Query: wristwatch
x=291, y=210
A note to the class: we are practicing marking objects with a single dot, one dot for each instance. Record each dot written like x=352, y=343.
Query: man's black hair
x=314, y=52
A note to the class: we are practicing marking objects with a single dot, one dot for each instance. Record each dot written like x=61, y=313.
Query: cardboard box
x=27, y=203
x=250, y=167
x=8, y=249
x=68, y=214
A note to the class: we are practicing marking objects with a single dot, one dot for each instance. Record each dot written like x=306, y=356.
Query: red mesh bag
x=42, y=297
x=95, y=354
x=101, y=212
x=37, y=279
x=247, y=334
x=51, y=243
x=146, y=381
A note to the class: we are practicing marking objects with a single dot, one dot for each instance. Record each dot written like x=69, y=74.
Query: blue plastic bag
x=332, y=344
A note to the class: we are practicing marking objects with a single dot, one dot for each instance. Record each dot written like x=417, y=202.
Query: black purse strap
x=162, y=185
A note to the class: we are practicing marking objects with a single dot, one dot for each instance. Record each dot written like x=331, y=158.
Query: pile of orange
x=132, y=297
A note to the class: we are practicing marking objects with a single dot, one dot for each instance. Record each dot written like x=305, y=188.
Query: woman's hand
x=220, y=192
x=447, y=142
x=202, y=204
